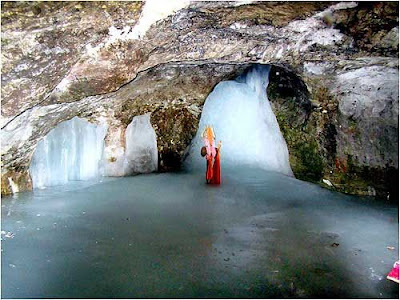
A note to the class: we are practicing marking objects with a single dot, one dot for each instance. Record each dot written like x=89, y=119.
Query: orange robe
x=216, y=178
x=213, y=172
x=209, y=172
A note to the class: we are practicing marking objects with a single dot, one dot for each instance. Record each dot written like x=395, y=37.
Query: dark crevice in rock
x=329, y=132
x=294, y=110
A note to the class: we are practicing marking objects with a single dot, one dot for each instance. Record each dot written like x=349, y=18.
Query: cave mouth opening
x=253, y=114
x=257, y=115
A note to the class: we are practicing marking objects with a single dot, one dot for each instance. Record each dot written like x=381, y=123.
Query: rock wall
x=346, y=129
x=336, y=95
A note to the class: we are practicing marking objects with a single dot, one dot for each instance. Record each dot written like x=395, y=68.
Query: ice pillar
x=141, y=154
x=71, y=151
x=243, y=120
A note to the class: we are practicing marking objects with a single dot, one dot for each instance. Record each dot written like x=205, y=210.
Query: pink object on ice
x=394, y=273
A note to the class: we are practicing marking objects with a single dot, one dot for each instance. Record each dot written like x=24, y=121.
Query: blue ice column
x=243, y=120
x=71, y=151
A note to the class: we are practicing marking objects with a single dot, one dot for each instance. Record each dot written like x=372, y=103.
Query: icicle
x=71, y=151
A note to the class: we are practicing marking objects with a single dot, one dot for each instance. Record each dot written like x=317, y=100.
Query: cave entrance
x=249, y=125
x=254, y=131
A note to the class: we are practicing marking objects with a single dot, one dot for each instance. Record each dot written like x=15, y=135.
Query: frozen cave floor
x=258, y=235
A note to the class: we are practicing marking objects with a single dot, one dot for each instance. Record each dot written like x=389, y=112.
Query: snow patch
x=344, y=5
x=154, y=11
x=63, y=85
x=279, y=53
x=243, y=2
x=238, y=25
x=326, y=36
x=21, y=67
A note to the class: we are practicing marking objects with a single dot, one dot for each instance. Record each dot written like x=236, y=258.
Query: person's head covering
x=208, y=133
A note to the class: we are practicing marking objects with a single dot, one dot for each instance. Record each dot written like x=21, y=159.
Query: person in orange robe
x=216, y=179
x=213, y=172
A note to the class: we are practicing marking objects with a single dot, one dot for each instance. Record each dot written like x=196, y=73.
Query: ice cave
x=199, y=149
x=248, y=128
x=243, y=120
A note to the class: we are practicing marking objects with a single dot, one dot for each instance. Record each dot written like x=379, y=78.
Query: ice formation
x=141, y=155
x=71, y=151
x=242, y=118
x=14, y=186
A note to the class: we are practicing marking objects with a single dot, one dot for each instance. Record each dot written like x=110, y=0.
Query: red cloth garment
x=213, y=172
x=209, y=172
x=216, y=179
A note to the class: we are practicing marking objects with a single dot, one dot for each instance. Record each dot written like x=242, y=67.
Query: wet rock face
x=367, y=135
x=298, y=120
x=346, y=129
x=104, y=62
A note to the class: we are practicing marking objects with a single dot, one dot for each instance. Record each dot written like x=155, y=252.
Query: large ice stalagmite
x=141, y=154
x=243, y=120
x=71, y=151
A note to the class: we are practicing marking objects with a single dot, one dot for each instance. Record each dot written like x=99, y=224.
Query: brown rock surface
x=87, y=59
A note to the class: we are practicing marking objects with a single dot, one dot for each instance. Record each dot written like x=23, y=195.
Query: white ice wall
x=243, y=120
x=141, y=154
x=71, y=151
